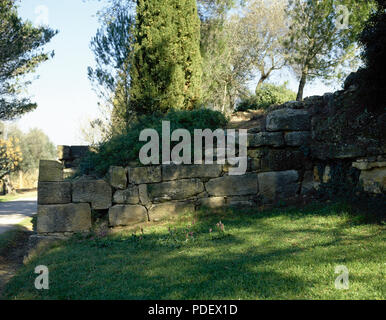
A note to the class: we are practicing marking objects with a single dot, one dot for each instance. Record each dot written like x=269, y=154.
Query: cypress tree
x=166, y=70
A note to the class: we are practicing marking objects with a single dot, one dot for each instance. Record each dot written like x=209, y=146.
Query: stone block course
x=118, y=177
x=288, y=120
x=143, y=175
x=274, y=139
x=96, y=192
x=175, y=190
x=233, y=185
x=54, y=192
x=124, y=215
x=128, y=196
x=278, y=185
x=158, y=212
x=50, y=171
x=175, y=172
x=64, y=218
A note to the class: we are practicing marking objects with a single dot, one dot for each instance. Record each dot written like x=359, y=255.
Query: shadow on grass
x=283, y=254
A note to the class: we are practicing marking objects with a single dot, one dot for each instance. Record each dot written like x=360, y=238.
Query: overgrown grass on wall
x=124, y=149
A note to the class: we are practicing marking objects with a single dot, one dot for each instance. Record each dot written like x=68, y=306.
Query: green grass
x=280, y=254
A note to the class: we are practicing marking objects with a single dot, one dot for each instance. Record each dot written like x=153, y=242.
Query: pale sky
x=63, y=92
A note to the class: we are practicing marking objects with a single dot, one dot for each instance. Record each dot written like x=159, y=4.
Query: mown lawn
x=280, y=254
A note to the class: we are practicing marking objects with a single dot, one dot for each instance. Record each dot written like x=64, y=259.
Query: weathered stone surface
x=324, y=151
x=175, y=190
x=64, y=218
x=297, y=138
x=121, y=215
x=374, y=181
x=64, y=152
x=368, y=165
x=118, y=177
x=79, y=151
x=240, y=202
x=161, y=211
x=142, y=175
x=257, y=153
x=278, y=185
x=96, y=192
x=274, y=139
x=282, y=160
x=288, y=120
x=175, y=172
x=233, y=185
x=212, y=203
x=128, y=196
x=143, y=195
x=69, y=172
x=54, y=192
x=308, y=183
x=50, y=171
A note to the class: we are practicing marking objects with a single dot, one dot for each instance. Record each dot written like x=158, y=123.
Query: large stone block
x=298, y=138
x=142, y=175
x=118, y=177
x=278, y=185
x=175, y=190
x=54, y=192
x=163, y=211
x=374, y=181
x=212, y=203
x=143, y=194
x=64, y=153
x=233, y=185
x=308, y=184
x=121, y=215
x=96, y=192
x=128, y=196
x=288, y=120
x=175, y=172
x=274, y=139
x=50, y=171
x=282, y=160
x=64, y=218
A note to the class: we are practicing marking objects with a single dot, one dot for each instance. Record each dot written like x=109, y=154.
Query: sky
x=63, y=92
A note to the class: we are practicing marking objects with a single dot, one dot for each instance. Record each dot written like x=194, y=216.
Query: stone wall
x=288, y=158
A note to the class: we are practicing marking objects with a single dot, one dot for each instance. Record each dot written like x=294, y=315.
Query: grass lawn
x=279, y=254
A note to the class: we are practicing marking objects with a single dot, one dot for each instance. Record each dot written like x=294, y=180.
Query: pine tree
x=166, y=70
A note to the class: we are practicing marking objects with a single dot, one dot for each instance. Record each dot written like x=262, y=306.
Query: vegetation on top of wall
x=123, y=149
x=372, y=78
x=267, y=95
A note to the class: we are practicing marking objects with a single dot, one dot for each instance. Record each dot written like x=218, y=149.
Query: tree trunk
x=302, y=84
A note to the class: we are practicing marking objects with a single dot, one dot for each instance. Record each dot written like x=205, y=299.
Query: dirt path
x=13, y=212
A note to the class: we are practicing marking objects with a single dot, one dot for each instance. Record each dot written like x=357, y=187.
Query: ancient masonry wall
x=285, y=163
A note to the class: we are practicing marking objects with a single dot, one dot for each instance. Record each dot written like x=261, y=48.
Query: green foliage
x=166, y=70
x=35, y=146
x=372, y=92
x=317, y=48
x=20, y=54
x=123, y=149
x=267, y=95
x=112, y=47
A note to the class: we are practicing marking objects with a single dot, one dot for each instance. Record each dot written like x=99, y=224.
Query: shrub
x=267, y=95
x=123, y=149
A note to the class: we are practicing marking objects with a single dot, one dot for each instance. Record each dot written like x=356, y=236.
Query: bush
x=267, y=95
x=372, y=78
x=124, y=149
